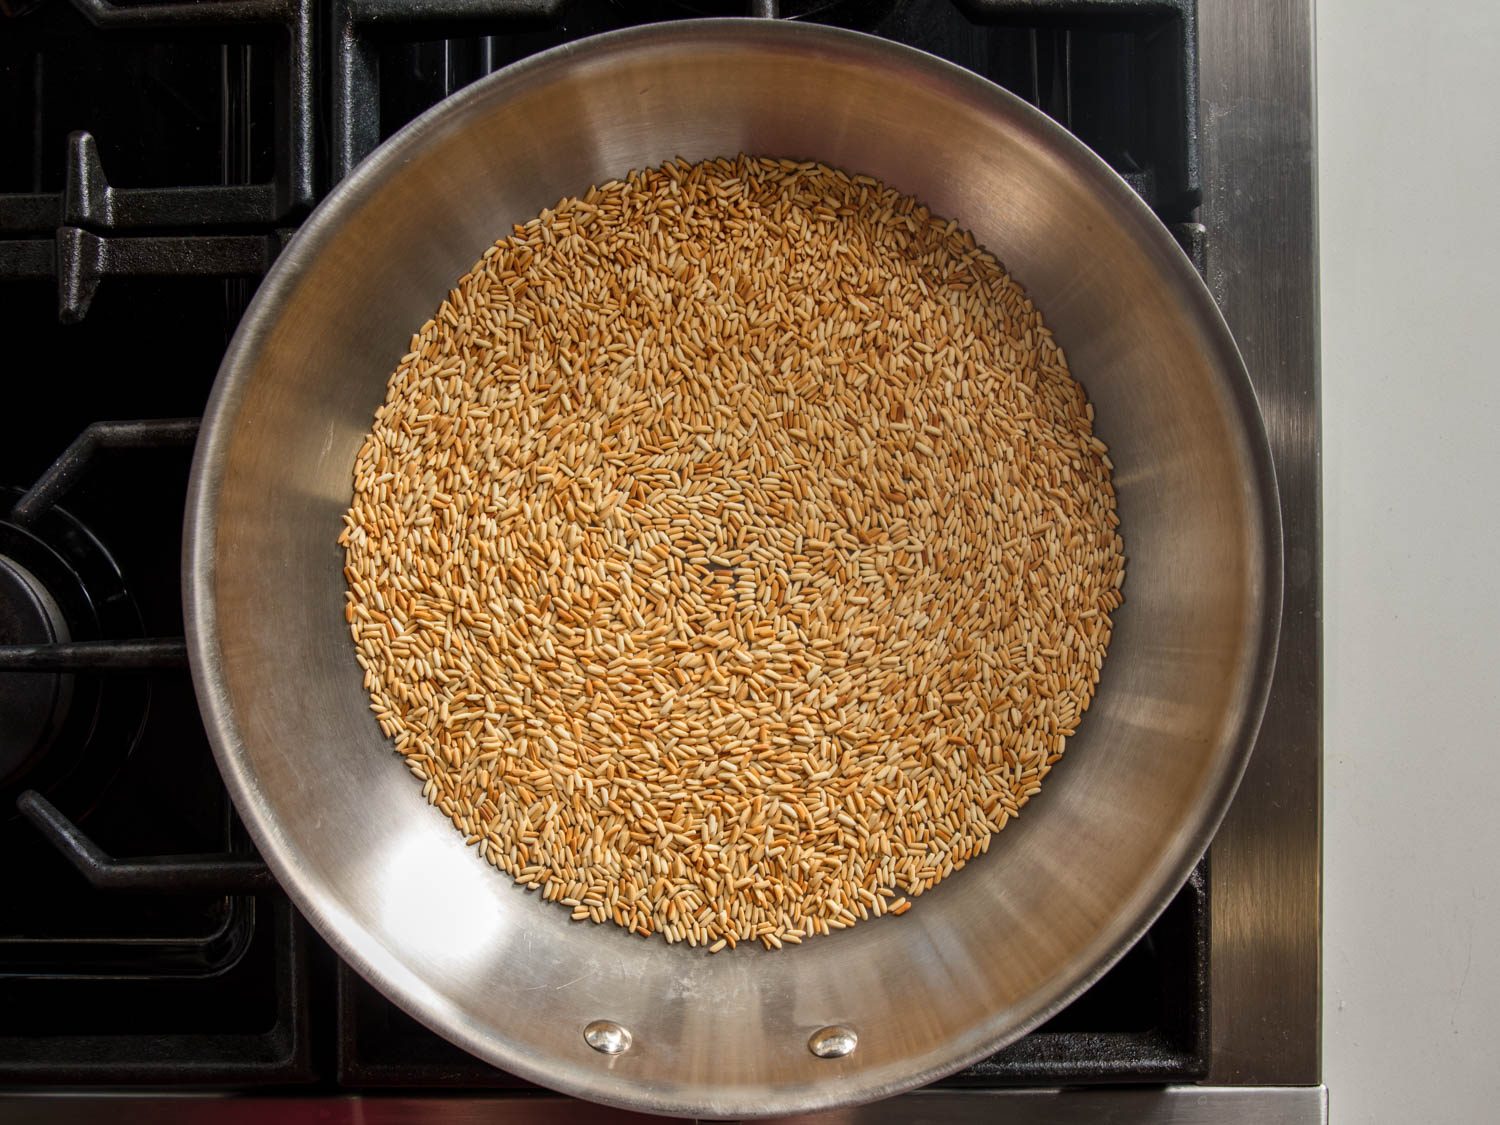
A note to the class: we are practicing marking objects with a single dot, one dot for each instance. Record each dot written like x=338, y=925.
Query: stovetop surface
x=155, y=159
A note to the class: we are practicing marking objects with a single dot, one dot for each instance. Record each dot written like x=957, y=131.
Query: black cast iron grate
x=156, y=159
x=1119, y=73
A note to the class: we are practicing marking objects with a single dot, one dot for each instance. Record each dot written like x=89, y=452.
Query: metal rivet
x=833, y=1042
x=607, y=1037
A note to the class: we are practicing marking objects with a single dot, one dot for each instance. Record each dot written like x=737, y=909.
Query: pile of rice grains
x=732, y=556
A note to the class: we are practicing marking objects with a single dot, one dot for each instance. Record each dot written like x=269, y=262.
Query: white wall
x=1409, y=171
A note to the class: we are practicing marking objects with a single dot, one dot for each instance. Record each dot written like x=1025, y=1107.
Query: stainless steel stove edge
x=1256, y=80
x=1170, y=1105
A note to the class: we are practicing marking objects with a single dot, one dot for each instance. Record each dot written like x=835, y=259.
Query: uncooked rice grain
x=733, y=554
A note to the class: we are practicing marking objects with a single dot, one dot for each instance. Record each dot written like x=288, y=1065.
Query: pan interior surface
x=989, y=953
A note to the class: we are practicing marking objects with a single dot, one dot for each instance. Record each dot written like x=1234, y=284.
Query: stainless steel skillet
x=991, y=952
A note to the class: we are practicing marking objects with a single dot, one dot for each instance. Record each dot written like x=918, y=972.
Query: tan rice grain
x=733, y=554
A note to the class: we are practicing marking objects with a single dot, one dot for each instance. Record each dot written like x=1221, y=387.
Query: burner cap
x=64, y=734
x=32, y=704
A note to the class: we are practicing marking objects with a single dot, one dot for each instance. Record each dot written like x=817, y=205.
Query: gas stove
x=155, y=159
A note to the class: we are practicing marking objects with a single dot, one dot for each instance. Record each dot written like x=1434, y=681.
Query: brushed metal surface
x=1256, y=69
x=984, y=957
x=1171, y=1105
